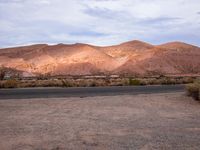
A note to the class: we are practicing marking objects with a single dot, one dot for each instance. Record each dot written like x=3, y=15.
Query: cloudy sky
x=100, y=22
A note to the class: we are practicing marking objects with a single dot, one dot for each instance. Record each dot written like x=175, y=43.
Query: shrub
x=11, y=83
x=134, y=82
x=93, y=84
x=1, y=84
x=167, y=81
x=66, y=83
x=2, y=73
x=193, y=90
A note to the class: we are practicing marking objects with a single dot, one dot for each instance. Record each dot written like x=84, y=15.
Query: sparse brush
x=2, y=73
x=11, y=83
x=134, y=82
x=193, y=90
x=93, y=84
x=66, y=83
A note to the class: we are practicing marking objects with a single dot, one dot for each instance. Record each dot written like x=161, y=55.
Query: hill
x=132, y=58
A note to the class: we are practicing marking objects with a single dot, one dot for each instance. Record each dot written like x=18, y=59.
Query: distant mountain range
x=130, y=58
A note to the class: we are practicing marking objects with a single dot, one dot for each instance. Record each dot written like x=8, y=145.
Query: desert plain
x=146, y=121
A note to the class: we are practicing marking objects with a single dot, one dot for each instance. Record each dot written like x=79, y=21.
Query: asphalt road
x=23, y=93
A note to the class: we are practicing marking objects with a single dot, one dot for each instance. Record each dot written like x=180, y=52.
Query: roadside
x=95, y=81
x=149, y=121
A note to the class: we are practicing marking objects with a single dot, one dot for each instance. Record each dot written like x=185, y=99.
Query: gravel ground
x=153, y=121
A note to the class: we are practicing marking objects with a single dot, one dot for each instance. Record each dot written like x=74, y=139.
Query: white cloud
x=101, y=22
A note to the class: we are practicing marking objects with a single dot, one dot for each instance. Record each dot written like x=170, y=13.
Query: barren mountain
x=133, y=58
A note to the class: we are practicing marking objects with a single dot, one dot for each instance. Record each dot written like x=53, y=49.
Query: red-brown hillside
x=134, y=57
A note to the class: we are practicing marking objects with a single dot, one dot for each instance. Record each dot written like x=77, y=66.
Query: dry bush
x=167, y=81
x=193, y=90
x=48, y=83
x=134, y=82
x=116, y=82
x=67, y=83
x=11, y=83
x=92, y=82
x=2, y=73
x=80, y=82
x=1, y=84
x=40, y=83
x=187, y=80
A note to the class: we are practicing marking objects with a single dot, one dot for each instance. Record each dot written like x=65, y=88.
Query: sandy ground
x=153, y=121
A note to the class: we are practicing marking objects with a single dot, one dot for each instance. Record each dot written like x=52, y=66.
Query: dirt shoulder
x=153, y=121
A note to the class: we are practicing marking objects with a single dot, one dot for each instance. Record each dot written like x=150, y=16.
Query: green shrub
x=193, y=90
x=134, y=82
x=11, y=83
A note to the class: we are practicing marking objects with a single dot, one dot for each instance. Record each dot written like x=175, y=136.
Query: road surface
x=164, y=121
x=23, y=93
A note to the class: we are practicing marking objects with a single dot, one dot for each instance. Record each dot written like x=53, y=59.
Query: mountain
x=132, y=58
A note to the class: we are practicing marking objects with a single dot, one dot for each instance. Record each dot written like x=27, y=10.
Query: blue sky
x=99, y=22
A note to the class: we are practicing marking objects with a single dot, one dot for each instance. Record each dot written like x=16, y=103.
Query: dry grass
x=92, y=82
x=12, y=83
x=134, y=82
x=193, y=90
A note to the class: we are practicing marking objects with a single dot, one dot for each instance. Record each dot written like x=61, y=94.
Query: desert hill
x=132, y=58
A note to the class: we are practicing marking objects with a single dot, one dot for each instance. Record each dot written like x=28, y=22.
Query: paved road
x=86, y=91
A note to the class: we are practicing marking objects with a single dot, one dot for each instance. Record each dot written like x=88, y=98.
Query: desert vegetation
x=193, y=90
x=93, y=81
x=11, y=83
x=2, y=73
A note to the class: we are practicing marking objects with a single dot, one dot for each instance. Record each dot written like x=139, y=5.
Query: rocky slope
x=132, y=58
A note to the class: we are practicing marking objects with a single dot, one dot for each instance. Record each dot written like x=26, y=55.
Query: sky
x=98, y=22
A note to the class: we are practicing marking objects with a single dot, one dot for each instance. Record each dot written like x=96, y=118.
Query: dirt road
x=153, y=121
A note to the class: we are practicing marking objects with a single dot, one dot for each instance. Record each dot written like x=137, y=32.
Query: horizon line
x=76, y=43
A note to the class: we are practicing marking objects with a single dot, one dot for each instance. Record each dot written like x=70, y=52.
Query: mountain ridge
x=132, y=57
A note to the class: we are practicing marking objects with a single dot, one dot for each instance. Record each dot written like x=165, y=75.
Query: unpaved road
x=150, y=121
